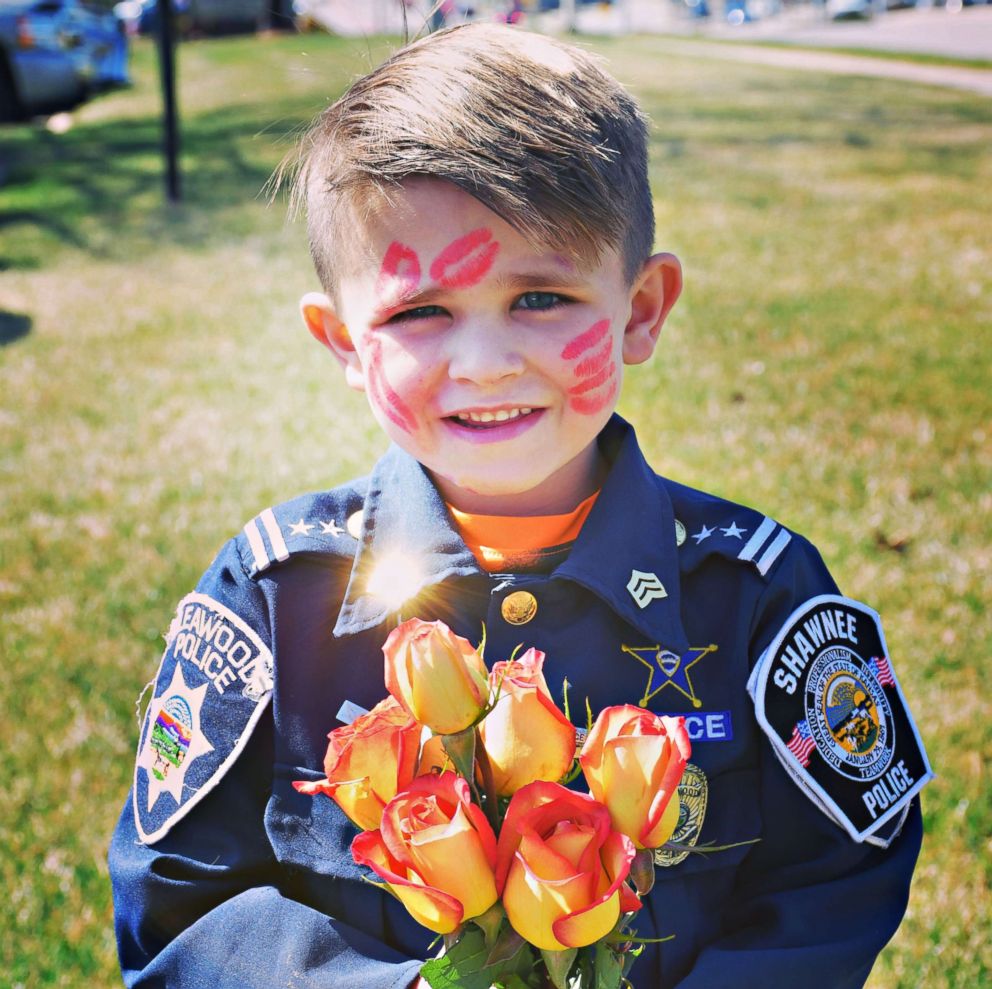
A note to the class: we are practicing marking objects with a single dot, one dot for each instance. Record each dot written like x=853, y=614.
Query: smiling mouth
x=490, y=420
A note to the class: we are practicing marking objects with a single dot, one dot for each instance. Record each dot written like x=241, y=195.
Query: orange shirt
x=504, y=544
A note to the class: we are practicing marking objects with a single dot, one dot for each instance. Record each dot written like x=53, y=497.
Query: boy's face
x=494, y=363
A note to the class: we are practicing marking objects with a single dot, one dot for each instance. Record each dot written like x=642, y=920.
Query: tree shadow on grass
x=100, y=188
x=13, y=326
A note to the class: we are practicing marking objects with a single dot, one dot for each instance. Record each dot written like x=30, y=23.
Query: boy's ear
x=655, y=290
x=326, y=327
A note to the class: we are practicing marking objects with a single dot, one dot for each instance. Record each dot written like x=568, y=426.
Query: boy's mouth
x=490, y=420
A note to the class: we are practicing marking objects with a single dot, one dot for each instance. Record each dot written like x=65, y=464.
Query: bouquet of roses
x=456, y=781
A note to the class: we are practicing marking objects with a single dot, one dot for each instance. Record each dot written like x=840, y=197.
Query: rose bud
x=633, y=761
x=436, y=851
x=525, y=735
x=438, y=676
x=368, y=761
x=561, y=869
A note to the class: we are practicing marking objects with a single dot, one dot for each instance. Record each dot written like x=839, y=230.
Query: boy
x=480, y=218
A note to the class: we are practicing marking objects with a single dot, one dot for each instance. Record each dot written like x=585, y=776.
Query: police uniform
x=225, y=876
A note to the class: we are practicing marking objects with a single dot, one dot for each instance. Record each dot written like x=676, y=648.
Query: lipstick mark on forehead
x=585, y=341
x=399, y=273
x=465, y=261
x=392, y=406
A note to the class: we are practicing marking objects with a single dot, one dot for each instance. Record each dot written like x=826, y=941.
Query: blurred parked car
x=204, y=16
x=56, y=53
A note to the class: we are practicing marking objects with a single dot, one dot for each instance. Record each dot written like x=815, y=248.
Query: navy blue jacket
x=236, y=880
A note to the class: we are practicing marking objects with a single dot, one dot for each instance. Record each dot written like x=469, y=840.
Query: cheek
x=381, y=391
x=593, y=368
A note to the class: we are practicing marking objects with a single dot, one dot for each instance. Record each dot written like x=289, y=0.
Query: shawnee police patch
x=212, y=686
x=828, y=699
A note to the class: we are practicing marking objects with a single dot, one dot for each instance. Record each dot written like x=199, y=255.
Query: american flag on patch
x=801, y=744
x=883, y=672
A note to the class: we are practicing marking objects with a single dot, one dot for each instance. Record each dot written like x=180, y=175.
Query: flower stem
x=488, y=782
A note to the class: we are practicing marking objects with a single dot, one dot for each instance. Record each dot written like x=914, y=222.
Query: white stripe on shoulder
x=256, y=544
x=275, y=534
x=756, y=541
x=774, y=551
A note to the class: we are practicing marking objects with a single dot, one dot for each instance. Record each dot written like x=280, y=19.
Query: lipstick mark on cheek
x=465, y=261
x=382, y=393
x=589, y=405
x=585, y=341
x=597, y=382
x=399, y=273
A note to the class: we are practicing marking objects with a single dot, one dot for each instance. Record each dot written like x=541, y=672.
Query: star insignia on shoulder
x=733, y=532
x=330, y=528
x=300, y=528
x=704, y=533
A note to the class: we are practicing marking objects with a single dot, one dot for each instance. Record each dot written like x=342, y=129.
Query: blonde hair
x=532, y=128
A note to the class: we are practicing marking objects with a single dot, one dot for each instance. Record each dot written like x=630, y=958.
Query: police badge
x=828, y=699
x=212, y=687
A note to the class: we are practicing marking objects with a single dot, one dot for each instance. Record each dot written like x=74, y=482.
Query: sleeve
x=810, y=906
x=207, y=903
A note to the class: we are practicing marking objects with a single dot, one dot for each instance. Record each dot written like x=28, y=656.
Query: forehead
x=427, y=215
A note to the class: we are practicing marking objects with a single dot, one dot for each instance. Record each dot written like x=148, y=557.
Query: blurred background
x=823, y=170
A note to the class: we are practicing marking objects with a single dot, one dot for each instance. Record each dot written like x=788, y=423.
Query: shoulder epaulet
x=323, y=523
x=710, y=526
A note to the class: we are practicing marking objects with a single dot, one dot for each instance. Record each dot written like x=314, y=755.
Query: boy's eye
x=420, y=312
x=539, y=300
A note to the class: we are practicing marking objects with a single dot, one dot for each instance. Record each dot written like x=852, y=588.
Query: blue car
x=54, y=54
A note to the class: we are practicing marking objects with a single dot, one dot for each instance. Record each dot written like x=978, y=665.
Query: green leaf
x=609, y=967
x=461, y=751
x=558, y=963
x=466, y=965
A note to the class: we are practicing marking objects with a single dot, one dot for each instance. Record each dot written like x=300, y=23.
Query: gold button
x=519, y=607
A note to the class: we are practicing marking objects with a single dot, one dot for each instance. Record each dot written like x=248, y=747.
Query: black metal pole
x=166, y=58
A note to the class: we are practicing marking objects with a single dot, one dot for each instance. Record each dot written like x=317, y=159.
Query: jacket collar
x=625, y=554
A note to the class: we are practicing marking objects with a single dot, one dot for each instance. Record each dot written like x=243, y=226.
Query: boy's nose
x=483, y=354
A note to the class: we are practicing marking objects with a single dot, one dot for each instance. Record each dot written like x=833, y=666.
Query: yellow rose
x=436, y=851
x=525, y=736
x=368, y=761
x=633, y=761
x=561, y=869
x=437, y=676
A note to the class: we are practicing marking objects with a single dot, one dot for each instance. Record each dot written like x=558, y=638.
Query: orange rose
x=368, y=761
x=525, y=736
x=436, y=851
x=438, y=676
x=633, y=761
x=561, y=868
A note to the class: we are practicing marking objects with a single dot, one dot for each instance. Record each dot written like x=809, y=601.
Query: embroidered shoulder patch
x=829, y=701
x=213, y=684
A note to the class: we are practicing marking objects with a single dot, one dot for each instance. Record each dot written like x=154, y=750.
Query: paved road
x=965, y=33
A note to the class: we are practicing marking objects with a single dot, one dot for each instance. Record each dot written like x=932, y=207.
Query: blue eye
x=538, y=301
x=420, y=312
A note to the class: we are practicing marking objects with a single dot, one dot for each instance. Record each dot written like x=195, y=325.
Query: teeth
x=503, y=415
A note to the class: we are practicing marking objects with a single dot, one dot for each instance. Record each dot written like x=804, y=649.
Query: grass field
x=829, y=363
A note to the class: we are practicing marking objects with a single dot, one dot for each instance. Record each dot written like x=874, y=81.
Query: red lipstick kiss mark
x=395, y=409
x=399, y=274
x=594, y=380
x=586, y=341
x=596, y=362
x=589, y=405
x=464, y=262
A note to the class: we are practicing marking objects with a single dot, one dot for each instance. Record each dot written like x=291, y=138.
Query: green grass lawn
x=829, y=363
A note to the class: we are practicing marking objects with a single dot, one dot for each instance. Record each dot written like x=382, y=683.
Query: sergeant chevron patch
x=827, y=697
x=645, y=588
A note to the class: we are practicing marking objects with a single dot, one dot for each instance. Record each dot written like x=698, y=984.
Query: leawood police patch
x=212, y=686
x=828, y=698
